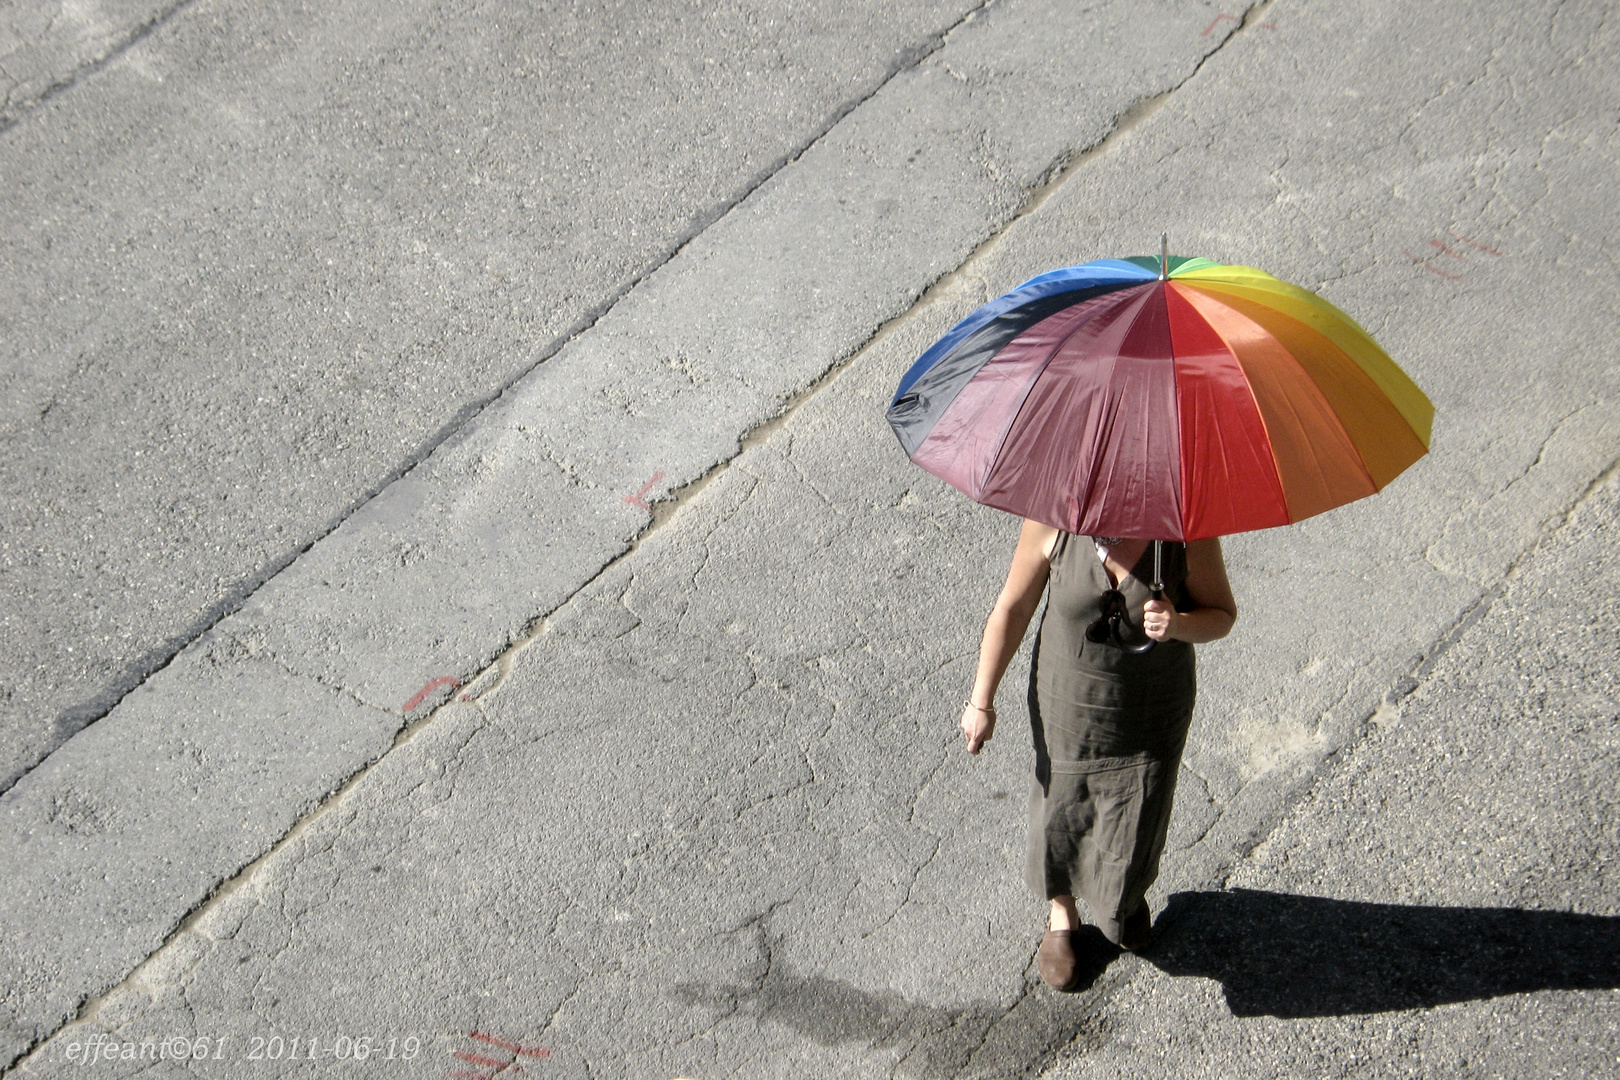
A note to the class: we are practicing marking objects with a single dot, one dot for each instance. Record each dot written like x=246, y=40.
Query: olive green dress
x=1109, y=728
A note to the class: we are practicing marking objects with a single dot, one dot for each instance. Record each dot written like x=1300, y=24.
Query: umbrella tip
x=1164, y=256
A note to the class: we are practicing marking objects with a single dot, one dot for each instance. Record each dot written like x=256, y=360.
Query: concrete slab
x=269, y=256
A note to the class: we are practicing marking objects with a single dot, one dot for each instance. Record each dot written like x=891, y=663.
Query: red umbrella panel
x=1104, y=400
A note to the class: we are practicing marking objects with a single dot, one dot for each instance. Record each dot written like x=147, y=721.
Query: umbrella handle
x=1134, y=650
x=1158, y=594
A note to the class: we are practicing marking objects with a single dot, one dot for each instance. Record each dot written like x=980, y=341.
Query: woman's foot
x=1055, y=957
x=1056, y=960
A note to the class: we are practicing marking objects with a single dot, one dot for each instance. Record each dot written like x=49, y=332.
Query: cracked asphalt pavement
x=561, y=672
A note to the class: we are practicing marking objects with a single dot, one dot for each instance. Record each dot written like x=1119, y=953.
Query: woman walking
x=1109, y=712
x=1160, y=397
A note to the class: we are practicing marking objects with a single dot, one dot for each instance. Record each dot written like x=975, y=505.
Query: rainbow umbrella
x=1163, y=398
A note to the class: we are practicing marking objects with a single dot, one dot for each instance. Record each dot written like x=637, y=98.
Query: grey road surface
x=709, y=816
x=271, y=255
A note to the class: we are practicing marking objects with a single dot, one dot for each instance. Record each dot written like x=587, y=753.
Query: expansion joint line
x=90, y=67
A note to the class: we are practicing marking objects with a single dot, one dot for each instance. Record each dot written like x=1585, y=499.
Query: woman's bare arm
x=1004, y=629
x=1216, y=610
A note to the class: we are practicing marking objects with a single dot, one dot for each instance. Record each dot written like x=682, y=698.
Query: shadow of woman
x=1299, y=956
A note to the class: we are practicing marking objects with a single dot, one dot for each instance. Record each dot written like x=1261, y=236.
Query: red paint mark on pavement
x=1216, y=21
x=1434, y=269
x=496, y=1066
x=526, y=1051
x=477, y=1060
x=1473, y=244
x=1442, y=247
x=635, y=500
x=429, y=688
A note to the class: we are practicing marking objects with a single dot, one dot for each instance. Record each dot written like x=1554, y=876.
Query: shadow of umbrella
x=1299, y=956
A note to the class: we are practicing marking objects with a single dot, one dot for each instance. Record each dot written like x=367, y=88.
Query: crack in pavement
x=1507, y=489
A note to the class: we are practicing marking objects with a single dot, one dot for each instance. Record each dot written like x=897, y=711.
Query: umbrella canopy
x=1164, y=398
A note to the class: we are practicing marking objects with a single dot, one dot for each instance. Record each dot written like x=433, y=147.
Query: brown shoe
x=1056, y=960
x=1136, y=930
